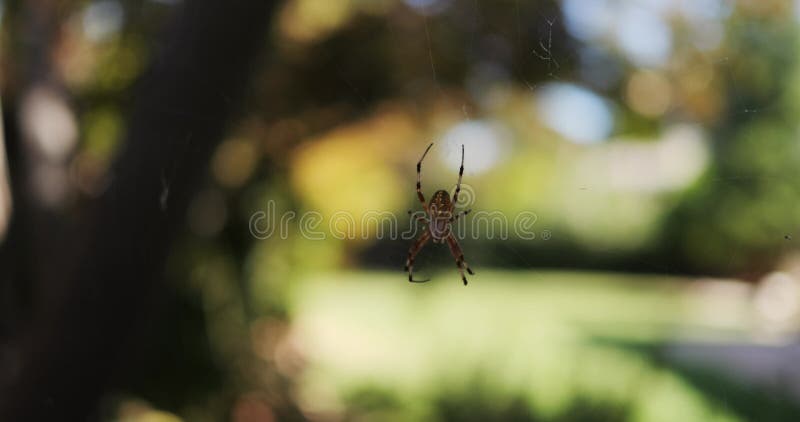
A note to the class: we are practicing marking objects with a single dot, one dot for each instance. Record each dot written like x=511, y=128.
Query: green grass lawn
x=533, y=346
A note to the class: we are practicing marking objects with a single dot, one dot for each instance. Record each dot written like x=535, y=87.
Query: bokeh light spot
x=648, y=93
x=102, y=19
x=482, y=146
x=588, y=19
x=644, y=36
x=233, y=162
x=574, y=112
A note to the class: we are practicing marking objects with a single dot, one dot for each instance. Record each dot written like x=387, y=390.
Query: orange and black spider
x=438, y=219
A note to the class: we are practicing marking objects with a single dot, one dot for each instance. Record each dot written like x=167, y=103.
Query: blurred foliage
x=738, y=213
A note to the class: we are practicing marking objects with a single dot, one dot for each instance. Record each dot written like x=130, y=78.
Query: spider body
x=439, y=213
x=439, y=218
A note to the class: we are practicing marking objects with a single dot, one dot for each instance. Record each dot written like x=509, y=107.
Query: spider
x=438, y=219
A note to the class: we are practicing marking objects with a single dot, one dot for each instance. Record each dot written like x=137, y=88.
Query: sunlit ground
x=524, y=346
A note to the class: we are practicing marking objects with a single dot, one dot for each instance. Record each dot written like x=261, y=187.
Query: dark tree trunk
x=184, y=103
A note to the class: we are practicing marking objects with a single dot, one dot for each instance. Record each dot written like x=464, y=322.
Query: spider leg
x=412, y=253
x=418, y=218
x=455, y=248
x=419, y=179
x=460, y=174
x=458, y=215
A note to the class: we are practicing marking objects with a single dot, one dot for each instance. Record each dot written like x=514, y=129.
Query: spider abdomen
x=440, y=209
x=439, y=228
